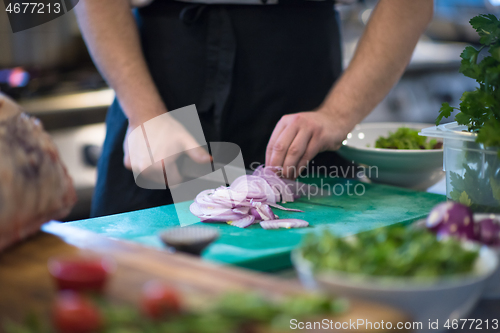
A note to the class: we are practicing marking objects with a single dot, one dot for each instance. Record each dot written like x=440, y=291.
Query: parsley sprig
x=480, y=109
x=395, y=251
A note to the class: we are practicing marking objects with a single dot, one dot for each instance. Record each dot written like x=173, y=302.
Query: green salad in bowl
x=393, y=251
x=395, y=154
x=406, y=138
x=406, y=267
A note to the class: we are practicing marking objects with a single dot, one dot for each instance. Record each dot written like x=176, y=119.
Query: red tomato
x=159, y=301
x=80, y=273
x=75, y=314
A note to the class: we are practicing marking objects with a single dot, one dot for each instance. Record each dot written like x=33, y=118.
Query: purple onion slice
x=285, y=223
x=243, y=222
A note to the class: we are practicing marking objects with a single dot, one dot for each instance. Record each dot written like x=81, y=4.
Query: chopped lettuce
x=406, y=138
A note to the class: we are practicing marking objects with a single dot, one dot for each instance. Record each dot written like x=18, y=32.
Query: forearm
x=380, y=59
x=111, y=34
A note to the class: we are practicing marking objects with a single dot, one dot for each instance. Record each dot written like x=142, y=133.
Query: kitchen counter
x=26, y=286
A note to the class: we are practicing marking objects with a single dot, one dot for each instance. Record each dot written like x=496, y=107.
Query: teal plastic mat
x=268, y=250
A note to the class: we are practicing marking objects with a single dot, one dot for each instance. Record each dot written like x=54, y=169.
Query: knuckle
x=297, y=118
x=294, y=151
x=291, y=118
x=278, y=147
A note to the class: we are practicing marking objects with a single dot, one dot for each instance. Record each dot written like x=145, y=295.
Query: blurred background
x=47, y=69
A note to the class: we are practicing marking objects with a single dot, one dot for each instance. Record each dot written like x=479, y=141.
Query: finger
x=280, y=126
x=199, y=155
x=195, y=152
x=280, y=147
x=126, y=161
x=173, y=176
x=311, y=151
x=295, y=152
x=151, y=176
x=126, y=156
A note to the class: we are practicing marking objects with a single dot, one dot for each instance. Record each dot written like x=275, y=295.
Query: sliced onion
x=284, y=208
x=243, y=222
x=262, y=211
x=219, y=214
x=229, y=216
x=285, y=223
x=241, y=210
x=249, y=198
x=195, y=209
x=280, y=187
x=255, y=188
x=286, y=189
x=226, y=196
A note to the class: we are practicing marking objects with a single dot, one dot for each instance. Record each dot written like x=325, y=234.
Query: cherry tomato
x=80, y=273
x=160, y=301
x=73, y=313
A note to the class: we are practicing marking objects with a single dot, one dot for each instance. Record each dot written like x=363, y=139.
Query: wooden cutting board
x=269, y=250
x=25, y=285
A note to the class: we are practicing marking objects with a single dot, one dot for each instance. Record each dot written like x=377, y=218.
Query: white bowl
x=492, y=284
x=416, y=169
x=445, y=298
x=492, y=288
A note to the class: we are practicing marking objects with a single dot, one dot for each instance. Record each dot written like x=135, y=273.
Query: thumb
x=126, y=156
x=126, y=162
x=199, y=155
x=195, y=152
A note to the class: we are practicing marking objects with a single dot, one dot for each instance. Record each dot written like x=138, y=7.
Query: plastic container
x=472, y=171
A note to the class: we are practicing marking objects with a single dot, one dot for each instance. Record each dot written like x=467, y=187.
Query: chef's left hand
x=298, y=137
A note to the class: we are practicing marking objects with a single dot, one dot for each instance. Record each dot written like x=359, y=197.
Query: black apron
x=244, y=66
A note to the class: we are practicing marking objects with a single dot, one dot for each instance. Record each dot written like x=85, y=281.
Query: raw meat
x=34, y=184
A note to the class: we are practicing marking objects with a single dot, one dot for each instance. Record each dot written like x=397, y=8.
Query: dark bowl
x=192, y=240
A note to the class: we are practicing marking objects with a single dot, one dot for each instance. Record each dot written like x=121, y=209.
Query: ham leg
x=34, y=184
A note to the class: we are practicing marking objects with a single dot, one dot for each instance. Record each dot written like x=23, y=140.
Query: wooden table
x=25, y=284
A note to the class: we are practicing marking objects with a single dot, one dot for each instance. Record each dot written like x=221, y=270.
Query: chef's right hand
x=179, y=140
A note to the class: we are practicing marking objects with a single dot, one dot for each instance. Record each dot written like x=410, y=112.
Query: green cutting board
x=269, y=250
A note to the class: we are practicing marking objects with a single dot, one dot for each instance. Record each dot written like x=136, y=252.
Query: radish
x=453, y=219
x=490, y=231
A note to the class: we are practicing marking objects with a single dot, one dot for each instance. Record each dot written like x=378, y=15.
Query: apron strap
x=192, y=13
x=221, y=52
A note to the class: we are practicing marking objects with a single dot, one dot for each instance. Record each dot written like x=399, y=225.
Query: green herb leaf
x=487, y=26
x=444, y=112
x=480, y=109
x=495, y=188
x=391, y=251
x=464, y=199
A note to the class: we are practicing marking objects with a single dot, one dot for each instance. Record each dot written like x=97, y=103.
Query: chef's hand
x=298, y=137
x=180, y=140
